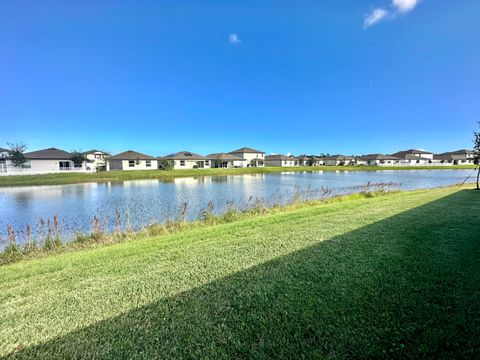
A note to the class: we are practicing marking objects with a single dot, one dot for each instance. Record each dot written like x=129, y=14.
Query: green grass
x=395, y=276
x=72, y=178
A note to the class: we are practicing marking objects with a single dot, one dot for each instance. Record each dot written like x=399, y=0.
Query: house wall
x=230, y=163
x=280, y=162
x=190, y=164
x=125, y=165
x=45, y=165
x=37, y=167
x=249, y=157
x=426, y=156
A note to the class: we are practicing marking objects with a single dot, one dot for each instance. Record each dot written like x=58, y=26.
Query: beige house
x=414, y=157
x=378, y=160
x=339, y=160
x=254, y=158
x=95, y=159
x=45, y=161
x=305, y=160
x=459, y=157
x=132, y=160
x=223, y=160
x=280, y=160
x=187, y=160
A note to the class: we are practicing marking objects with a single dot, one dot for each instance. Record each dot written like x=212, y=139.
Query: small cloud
x=234, y=39
x=404, y=6
x=374, y=17
x=395, y=8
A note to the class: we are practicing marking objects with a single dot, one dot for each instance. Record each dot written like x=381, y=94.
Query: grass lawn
x=395, y=276
x=72, y=178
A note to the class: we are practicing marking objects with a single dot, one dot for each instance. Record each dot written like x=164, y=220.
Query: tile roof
x=132, y=155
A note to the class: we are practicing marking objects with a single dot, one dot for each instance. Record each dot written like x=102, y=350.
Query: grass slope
x=391, y=276
x=73, y=178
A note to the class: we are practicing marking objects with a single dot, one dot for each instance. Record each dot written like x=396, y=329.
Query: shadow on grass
x=407, y=286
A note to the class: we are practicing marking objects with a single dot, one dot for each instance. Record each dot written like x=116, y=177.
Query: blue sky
x=336, y=76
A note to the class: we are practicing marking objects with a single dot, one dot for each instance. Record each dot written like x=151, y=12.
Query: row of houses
x=53, y=160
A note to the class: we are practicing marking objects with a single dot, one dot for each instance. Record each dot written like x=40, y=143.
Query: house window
x=131, y=163
x=182, y=162
x=64, y=165
x=148, y=163
x=207, y=162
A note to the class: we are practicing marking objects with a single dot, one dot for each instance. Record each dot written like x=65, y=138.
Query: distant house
x=378, y=160
x=459, y=157
x=255, y=158
x=304, y=160
x=280, y=160
x=4, y=155
x=224, y=160
x=95, y=159
x=132, y=160
x=43, y=161
x=414, y=157
x=339, y=160
x=49, y=160
x=187, y=160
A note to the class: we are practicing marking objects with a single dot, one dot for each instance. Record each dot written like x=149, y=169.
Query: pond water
x=141, y=202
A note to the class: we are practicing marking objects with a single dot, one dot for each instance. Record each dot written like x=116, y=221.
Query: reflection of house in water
x=132, y=183
x=48, y=192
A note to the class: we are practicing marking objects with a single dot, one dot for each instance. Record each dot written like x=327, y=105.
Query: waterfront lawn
x=73, y=178
x=395, y=276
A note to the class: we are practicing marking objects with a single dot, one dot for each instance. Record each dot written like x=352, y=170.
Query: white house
x=132, y=160
x=280, y=160
x=95, y=159
x=255, y=158
x=459, y=157
x=414, y=157
x=223, y=160
x=187, y=160
x=304, y=160
x=378, y=160
x=4, y=155
x=339, y=160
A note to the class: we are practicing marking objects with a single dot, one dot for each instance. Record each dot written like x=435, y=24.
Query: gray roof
x=306, y=157
x=280, y=157
x=338, y=157
x=247, y=150
x=378, y=157
x=48, y=154
x=464, y=152
x=225, y=156
x=404, y=153
x=184, y=155
x=132, y=155
x=3, y=150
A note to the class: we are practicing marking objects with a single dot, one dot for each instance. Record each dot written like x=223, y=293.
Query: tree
x=476, y=154
x=78, y=158
x=166, y=164
x=16, y=152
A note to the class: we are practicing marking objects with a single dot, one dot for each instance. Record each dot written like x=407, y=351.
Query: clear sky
x=336, y=76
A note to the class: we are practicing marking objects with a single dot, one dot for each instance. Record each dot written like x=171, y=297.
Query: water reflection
x=151, y=200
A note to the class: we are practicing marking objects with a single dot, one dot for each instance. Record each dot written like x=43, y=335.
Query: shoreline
x=119, y=176
x=53, y=244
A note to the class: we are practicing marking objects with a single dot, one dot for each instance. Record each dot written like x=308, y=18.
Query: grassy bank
x=72, y=178
x=394, y=276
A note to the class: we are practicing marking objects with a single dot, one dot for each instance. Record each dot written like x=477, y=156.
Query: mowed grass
x=73, y=178
x=394, y=276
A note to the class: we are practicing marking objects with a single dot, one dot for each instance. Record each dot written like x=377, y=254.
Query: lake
x=145, y=201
